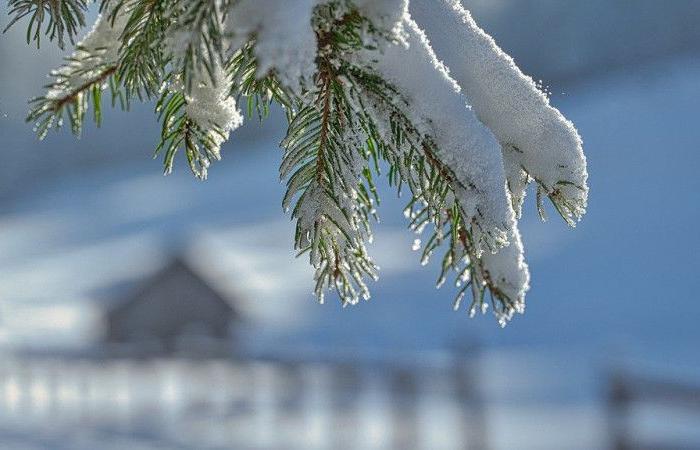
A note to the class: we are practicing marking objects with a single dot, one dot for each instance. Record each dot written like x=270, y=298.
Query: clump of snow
x=386, y=14
x=212, y=108
x=209, y=103
x=284, y=39
x=508, y=271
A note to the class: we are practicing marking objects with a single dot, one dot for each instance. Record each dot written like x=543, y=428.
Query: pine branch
x=351, y=110
x=323, y=171
x=49, y=111
x=179, y=131
x=79, y=83
x=259, y=93
x=65, y=18
x=414, y=162
x=141, y=54
x=199, y=29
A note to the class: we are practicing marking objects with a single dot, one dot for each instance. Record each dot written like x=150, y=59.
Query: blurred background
x=146, y=312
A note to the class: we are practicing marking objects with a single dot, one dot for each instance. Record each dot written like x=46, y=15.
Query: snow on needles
x=536, y=138
x=284, y=39
x=491, y=125
x=211, y=107
x=208, y=103
x=464, y=144
x=469, y=150
x=97, y=52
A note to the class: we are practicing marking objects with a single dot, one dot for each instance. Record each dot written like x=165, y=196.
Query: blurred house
x=174, y=311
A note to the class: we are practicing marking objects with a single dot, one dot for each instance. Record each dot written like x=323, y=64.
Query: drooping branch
x=362, y=89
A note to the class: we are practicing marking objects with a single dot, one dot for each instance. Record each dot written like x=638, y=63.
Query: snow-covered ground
x=624, y=284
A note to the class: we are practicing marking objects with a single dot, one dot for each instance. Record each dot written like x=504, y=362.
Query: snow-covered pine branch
x=80, y=81
x=463, y=129
x=538, y=142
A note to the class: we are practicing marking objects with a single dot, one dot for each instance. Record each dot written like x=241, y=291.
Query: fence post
x=473, y=408
x=404, y=398
x=345, y=389
x=289, y=400
x=619, y=397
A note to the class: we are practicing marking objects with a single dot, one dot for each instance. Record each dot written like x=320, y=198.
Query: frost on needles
x=458, y=127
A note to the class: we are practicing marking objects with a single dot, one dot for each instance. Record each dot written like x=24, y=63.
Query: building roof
x=177, y=268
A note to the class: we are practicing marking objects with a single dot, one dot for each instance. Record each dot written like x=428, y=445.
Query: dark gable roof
x=177, y=265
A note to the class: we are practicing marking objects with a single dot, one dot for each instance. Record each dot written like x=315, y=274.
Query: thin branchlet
x=63, y=19
x=141, y=56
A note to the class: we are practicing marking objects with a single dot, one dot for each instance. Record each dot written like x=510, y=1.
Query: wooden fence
x=261, y=403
